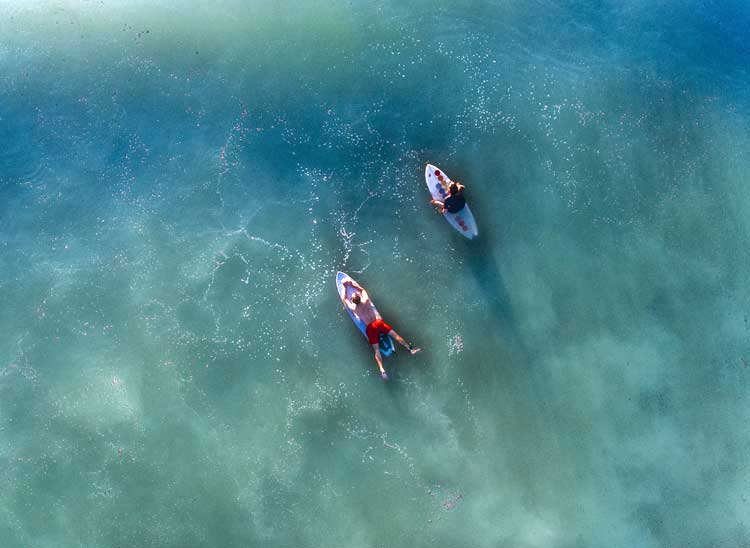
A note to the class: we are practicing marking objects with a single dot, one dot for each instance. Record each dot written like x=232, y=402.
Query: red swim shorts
x=374, y=330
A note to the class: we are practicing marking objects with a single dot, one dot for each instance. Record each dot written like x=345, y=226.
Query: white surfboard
x=438, y=183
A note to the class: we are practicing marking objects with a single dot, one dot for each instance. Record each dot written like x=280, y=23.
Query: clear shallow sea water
x=180, y=183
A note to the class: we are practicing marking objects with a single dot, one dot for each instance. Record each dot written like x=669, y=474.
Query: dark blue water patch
x=702, y=41
x=657, y=402
x=21, y=156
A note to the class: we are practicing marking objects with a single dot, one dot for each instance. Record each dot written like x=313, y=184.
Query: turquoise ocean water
x=180, y=182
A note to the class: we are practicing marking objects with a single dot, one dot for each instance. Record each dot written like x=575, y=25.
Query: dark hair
x=357, y=298
x=453, y=188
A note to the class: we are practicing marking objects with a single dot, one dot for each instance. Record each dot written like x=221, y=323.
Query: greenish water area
x=180, y=183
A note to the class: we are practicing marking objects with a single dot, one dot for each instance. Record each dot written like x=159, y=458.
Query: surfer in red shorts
x=361, y=305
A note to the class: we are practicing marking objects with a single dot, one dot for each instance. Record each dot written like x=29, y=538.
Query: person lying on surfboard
x=455, y=201
x=361, y=305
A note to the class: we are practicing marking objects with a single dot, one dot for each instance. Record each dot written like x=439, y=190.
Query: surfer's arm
x=365, y=297
x=353, y=284
x=350, y=305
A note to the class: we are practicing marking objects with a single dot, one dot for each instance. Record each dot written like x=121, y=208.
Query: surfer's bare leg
x=438, y=204
x=402, y=342
x=379, y=359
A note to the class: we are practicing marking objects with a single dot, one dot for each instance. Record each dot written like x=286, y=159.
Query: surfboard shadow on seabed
x=484, y=267
x=480, y=257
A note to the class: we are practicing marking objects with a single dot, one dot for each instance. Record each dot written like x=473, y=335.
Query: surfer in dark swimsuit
x=361, y=305
x=455, y=201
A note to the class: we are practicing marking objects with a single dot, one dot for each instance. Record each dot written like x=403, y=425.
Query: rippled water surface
x=179, y=184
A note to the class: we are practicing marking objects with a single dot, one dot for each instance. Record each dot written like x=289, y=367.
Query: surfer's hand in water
x=384, y=375
x=413, y=350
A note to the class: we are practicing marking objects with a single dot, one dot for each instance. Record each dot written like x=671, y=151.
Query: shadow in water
x=503, y=322
x=484, y=267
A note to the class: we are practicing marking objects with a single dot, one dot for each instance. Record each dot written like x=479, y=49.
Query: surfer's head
x=453, y=188
x=357, y=298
